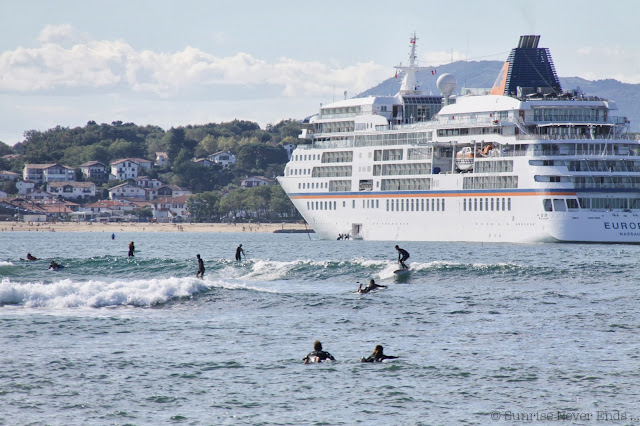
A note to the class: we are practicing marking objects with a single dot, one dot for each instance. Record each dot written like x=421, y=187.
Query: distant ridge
x=482, y=74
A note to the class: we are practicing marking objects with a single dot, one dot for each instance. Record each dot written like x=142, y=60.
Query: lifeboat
x=464, y=159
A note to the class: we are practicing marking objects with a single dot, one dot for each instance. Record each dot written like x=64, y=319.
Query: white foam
x=68, y=293
x=4, y=263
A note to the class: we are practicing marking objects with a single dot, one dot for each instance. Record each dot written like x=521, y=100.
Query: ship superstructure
x=527, y=163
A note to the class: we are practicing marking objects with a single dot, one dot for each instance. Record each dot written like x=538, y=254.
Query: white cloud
x=60, y=34
x=115, y=66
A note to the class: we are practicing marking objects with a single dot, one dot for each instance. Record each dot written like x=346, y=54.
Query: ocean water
x=486, y=333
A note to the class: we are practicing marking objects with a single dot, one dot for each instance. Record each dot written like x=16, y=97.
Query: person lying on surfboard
x=371, y=286
x=402, y=256
x=377, y=355
x=318, y=355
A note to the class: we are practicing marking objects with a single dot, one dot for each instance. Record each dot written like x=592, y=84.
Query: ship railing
x=576, y=137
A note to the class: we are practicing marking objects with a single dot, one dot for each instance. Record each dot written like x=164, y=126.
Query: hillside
x=474, y=74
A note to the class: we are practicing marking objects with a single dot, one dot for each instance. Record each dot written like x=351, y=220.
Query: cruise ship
x=525, y=163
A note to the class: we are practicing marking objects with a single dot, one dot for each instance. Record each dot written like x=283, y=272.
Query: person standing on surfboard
x=240, y=253
x=200, y=273
x=132, y=249
x=402, y=256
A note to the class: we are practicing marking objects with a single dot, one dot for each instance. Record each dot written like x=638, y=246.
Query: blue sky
x=173, y=63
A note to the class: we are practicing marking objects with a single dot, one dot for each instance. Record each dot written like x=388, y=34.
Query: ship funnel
x=529, y=42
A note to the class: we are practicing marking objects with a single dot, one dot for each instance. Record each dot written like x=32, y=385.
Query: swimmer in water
x=377, y=355
x=30, y=257
x=318, y=355
x=53, y=265
x=371, y=286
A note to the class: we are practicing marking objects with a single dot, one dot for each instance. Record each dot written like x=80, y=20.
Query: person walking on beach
x=240, y=253
x=200, y=273
x=318, y=355
x=402, y=256
x=132, y=249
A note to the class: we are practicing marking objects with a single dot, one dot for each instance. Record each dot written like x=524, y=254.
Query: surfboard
x=401, y=271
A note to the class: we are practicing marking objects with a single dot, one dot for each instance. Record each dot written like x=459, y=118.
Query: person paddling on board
x=402, y=256
x=377, y=355
x=55, y=266
x=372, y=285
x=318, y=355
x=200, y=273
x=30, y=257
x=240, y=253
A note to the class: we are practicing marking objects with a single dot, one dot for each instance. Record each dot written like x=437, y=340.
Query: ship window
x=412, y=204
x=344, y=204
x=377, y=204
x=438, y=204
x=392, y=206
x=422, y=204
x=397, y=205
x=480, y=204
x=307, y=205
x=464, y=204
x=433, y=205
x=402, y=205
x=503, y=204
x=443, y=204
x=572, y=203
x=387, y=205
x=486, y=204
x=509, y=204
x=559, y=205
x=353, y=205
x=492, y=204
x=546, y=203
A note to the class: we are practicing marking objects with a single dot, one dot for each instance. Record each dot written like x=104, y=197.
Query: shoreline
x=152, y=227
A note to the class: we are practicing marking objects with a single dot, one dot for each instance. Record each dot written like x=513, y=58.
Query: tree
x=205, y=207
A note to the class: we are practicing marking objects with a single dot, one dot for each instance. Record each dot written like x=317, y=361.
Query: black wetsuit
x=370, y=287
x=317, y=356
x=200, y=267
x=132, y=249
x=239, y=252
x=377, y=358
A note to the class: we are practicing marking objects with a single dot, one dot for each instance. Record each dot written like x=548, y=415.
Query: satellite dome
x=446, y=84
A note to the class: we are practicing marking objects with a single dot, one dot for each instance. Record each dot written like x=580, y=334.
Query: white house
x=5, y=174
x=254, y=181
x=75, y=190
x=204, y=162
x=167, y=208
x=48, y=173
x=3, y=194
x=128, y=168
x=25, y=186
x=146, y=182
x=127, y=190
x=39, y=195
x=162, y=159
x=289, y=147
x=166, y=191
x=223, y=158
x=95, y=170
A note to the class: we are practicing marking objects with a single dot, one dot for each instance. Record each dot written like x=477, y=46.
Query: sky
x=175, y=63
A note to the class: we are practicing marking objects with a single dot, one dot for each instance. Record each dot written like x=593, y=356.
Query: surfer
x=377, y=355
x=318, y=355
x=240, y=253
x=30, y=257
x=200, y=273
x=113, y=236
x=371, y=286
x=132, y=249
x=402, y=256
x=54, y=266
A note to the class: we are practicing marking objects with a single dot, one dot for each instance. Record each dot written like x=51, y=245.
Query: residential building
x=289, y=147
x=162, y=159
x=223, y=158
x=166, y=209
x=7, y=175
x=82, y=190
x=127, y=190
x=38, y=194
x=128, y=168
x=254, y=181
x=204, y=162
x=95, y=170
x=168, y=191
x=25, y=186
x=146, y=182
x=53, y=172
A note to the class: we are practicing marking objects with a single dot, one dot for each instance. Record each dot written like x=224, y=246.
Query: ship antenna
x=409, y=83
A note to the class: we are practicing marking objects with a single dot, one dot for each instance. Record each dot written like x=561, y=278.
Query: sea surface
x=485, y=333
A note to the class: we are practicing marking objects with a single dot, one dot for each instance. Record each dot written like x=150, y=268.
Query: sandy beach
x=148, y=227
